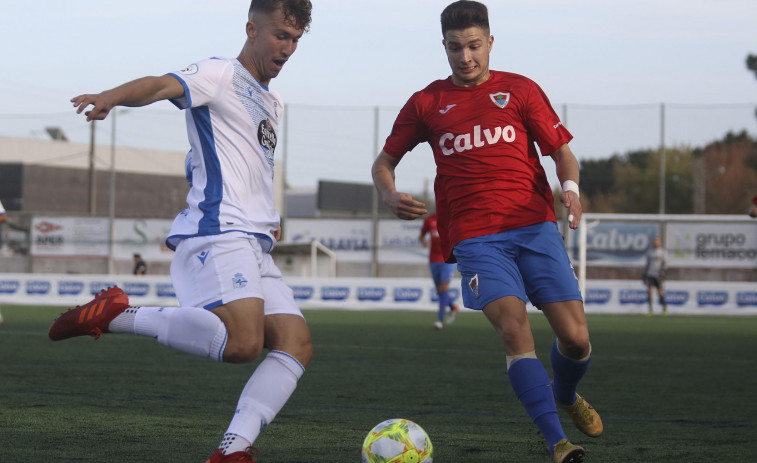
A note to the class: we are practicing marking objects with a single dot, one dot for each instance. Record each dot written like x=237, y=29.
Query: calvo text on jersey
x=451, y=143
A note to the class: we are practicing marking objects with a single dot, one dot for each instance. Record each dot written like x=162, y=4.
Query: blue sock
x=443, y=302
x=530, y=382
x=567, y=373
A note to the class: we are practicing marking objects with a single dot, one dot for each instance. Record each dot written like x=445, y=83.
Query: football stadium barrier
x=602, y=296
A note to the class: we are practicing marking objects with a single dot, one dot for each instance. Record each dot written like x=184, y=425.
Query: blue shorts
x=528, y=262
x=441, y=271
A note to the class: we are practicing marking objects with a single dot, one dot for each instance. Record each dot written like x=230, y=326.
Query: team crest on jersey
x=500, y=99
x=239, y=281
x=473, y=285
x=189, y=70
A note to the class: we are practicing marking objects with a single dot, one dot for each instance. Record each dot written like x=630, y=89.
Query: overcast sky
x=611, y=62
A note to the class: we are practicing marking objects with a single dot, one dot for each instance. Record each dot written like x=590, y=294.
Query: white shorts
x=208, y=271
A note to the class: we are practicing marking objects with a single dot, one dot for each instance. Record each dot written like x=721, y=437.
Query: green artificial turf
x=668, y=389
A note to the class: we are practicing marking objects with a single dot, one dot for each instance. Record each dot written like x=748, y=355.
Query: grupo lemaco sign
x=688, y=244
x=712, y=245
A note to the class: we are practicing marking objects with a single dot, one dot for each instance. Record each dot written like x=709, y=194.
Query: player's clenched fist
x=404, y=206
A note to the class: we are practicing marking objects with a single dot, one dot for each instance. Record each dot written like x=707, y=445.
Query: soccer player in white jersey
x=233, y=302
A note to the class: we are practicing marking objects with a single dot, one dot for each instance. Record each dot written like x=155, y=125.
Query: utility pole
x=375, y=200
x=112, y=194
x=92, y=186
x=662, y=158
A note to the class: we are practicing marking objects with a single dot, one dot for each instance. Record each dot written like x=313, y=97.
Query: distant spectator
x=140, y=266
x=753, y=208
x=4, y=217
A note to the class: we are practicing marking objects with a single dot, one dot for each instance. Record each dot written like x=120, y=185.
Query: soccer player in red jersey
x=496, y=215
x=441, y=272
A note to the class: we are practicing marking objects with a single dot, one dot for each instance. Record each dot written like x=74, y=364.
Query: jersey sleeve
x=543, y=123
x=425, y=228
x=408, y=129
x=200, y=81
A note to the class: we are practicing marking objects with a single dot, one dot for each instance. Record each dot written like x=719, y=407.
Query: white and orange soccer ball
x=397, y=441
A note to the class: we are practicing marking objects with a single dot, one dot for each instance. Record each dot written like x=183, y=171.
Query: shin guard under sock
x=265, y=394
x=566, y=374
x=189, y=329
x=531, y=384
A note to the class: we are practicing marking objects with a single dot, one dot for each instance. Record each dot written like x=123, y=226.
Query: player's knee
x=300, y=349
x=304, y=353
x=516, y=327
x=243, y=351
x=577, y=345
x=516, y=336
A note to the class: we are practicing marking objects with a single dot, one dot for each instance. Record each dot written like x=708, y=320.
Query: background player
x=496, y=215
x=222, y=271
x=654, y=274
x=441, y=272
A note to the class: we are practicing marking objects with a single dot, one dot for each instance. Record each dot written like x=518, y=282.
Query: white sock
x=124, y=322
x=189, y=329
x=232, y=443
x=266, y=392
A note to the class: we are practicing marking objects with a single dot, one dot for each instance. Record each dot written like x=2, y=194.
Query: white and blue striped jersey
x=232, y=124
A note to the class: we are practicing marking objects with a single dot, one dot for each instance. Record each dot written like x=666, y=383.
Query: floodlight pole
x=284, y=162
x=92, y=186
x=374, y=206
x=112, y=197
x=566, y=222
x=662, y=158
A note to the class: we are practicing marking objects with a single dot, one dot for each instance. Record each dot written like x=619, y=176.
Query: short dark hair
x=464, y=14
x=295, y=11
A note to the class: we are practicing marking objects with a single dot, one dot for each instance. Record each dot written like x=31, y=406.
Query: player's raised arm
x=401, y=204
x=139, y=92
x=568, y=172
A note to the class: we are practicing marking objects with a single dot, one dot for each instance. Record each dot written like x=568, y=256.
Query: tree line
x=720, y=178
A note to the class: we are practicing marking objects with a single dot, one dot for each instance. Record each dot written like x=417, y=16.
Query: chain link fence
x=340, y=142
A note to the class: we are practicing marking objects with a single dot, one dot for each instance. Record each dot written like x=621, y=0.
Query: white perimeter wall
x=602, y=296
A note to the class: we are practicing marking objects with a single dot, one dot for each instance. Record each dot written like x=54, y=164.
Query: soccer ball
x=397, y=441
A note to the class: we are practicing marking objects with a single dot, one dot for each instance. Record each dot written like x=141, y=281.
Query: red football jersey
x=489, y=176
x=435, y=253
